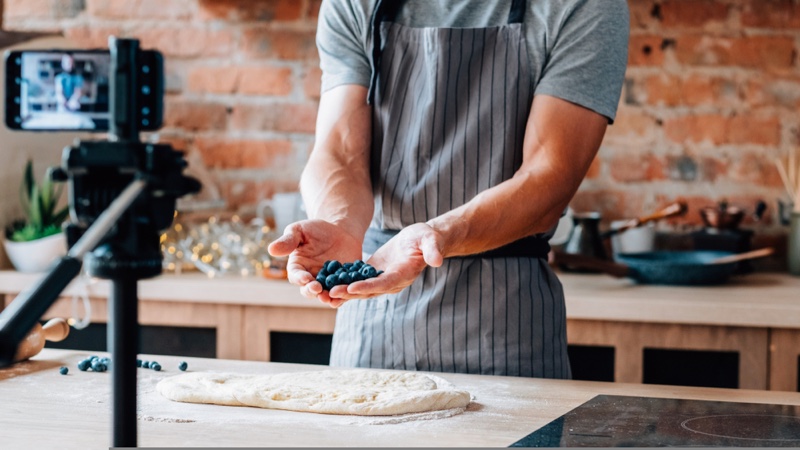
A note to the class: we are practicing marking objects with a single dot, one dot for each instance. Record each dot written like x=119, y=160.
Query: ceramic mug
x=286, y=207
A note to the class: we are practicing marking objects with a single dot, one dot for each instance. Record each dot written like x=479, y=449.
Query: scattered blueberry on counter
x=334, y=273
x=183, y=366
x=138, y=363
x=145, y=364
x=84, y=364
x=156, y=367
x=63, y=370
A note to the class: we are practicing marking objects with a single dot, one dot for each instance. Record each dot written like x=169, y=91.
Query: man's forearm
x=336, y=183
x=560, y=143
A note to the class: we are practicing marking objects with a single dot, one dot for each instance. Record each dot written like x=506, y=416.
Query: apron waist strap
x=527, y=247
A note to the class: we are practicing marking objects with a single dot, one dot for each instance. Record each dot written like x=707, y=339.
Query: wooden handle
x=674, y=209
x=54, y=330
x=589, y=262
x=743, y=256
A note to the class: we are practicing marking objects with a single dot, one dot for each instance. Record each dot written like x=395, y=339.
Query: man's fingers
x=311, y=290
x=286, y=244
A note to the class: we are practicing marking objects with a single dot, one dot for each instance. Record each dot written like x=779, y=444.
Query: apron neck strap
x=384, y=10
x=517, y=13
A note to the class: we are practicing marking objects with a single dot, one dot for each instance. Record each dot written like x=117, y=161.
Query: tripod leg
x=123, y=339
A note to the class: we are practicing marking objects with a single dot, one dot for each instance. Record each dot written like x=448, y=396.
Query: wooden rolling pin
x=54, y=330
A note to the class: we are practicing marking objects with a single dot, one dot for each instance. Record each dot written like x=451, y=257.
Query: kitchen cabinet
x=757, y=317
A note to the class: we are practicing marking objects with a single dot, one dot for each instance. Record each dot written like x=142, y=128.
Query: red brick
x=750, y=51
x=672, y=90
x=180, y=143
x=633, y=167
x=194, y=115
x=187, y=41
x=693, y=13
x=224, y=154
x=718, y=129
x=265, y=81
x=645, y=50
x=41, y=9
x=251, y=10
x=631, y=122
x=713, y=168
x=771, y=14
x=644, y=14
x=288, y=117
x=214, y=80
x=86, y=36
x=312, y=12
x=312, y=82
x=279, y=44
x=765, y=90
x=756, y=168
x=149, y=9
x=612, y=204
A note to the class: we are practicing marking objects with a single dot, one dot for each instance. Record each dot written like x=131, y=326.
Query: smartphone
x=68, y=90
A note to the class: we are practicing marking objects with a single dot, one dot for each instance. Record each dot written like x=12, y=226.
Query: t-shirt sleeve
x=587, y=62
x=341, y=44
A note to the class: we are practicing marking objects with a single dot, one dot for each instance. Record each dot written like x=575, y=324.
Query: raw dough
x=354, y=392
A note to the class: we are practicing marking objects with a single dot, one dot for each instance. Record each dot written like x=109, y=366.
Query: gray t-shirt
x=578, y=48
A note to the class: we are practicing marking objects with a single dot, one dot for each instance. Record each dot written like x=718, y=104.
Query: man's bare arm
x=336, y=182
x=561, y=140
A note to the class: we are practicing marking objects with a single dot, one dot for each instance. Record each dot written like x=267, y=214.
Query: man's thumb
x=285, y=244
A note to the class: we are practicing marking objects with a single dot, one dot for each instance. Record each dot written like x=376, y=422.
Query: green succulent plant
x=40, y=204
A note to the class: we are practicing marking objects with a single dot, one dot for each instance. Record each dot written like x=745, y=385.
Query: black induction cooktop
x=616, y=421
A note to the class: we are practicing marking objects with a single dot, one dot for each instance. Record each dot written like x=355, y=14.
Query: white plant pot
x=38, y=255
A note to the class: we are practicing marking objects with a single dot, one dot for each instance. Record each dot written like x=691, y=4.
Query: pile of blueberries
x=94, y=363
x=103, y=364
x=334, y=273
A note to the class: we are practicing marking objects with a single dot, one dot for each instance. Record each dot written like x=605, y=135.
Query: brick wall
x=711, y=94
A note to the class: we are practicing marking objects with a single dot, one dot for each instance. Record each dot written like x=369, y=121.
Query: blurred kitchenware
x=683, y=268
x=785, y=209
x=727, y=217
x=633, y=240
x=286, y=207
x=585, y=239
x=794, y=244
x=563, y=229
x=678, y=208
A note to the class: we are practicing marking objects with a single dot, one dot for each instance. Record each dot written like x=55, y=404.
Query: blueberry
x=154, y=363
x=138, y=363
x=183, y=366
x=369, y=271
x=357, y=264
x=348, y=267
x=379, y=273
x=321, y=278
x=343, y=278
x=333, y=266
x=356, y=276
x=330, y=282
x=145, y=364
x=156, y=367
x=63, y=370
x=84, y=364
x=105, y=360
x=97, y=366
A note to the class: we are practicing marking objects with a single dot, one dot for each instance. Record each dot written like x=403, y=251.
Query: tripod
x=122, y=192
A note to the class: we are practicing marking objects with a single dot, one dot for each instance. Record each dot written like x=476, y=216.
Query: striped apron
x=450, y=107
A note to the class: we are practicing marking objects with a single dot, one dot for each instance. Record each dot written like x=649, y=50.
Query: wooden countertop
x=754, y=300
x=43, y=409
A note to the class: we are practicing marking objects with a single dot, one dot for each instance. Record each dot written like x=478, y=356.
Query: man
x=451, y=136
x=69, y=86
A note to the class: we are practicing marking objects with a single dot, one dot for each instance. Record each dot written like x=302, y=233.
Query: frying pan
x=682, y=268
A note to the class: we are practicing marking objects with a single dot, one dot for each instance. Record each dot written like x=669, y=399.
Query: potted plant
x=34, y=242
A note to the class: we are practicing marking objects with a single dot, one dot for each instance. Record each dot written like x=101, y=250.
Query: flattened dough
x=352, y=392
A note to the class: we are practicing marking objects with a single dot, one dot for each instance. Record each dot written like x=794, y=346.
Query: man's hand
x=402, y=259
x=309, y=244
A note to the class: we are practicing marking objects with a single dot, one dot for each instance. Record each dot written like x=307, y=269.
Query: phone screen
x=61, y=90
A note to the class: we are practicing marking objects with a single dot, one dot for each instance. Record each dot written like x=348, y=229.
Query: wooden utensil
x=674, y=209
x=54, y=330
x=753, y=254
